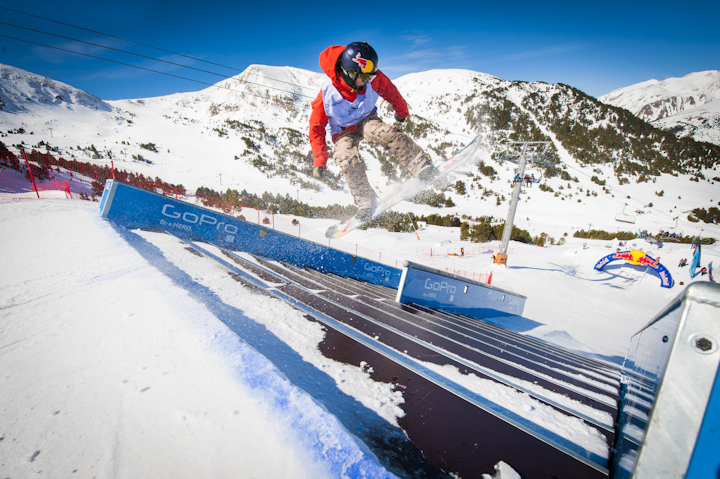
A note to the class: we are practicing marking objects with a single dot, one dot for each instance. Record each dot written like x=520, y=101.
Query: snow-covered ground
x=114, y=366
x=111, y=368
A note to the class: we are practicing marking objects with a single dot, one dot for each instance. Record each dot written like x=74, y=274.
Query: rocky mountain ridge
x=687, y=106
x=20, y=89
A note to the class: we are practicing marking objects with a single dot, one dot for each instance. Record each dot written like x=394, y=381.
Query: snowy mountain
x=25, y=92
x=687, y=106
x=249, y=133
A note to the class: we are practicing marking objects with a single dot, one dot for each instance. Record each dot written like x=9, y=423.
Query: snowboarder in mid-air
x=345, y=108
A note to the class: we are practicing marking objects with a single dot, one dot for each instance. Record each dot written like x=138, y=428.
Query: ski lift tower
x=520, y=152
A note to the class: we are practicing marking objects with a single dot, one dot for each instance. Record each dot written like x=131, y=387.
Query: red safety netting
x=37, y=175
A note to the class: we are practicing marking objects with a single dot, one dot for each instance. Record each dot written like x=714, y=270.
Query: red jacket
x=318, y=119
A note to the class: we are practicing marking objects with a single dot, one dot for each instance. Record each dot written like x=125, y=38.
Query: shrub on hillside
x=711, y=215
x=484, y=232
x=149, y=147
x=604, y=235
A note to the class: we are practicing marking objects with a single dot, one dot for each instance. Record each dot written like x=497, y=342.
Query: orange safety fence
x=463, y=251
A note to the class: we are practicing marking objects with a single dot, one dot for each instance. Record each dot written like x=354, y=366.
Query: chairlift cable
x=139, y=67
x=141, y=44
x=655, y=210
x=150, y=58
x=117, y=38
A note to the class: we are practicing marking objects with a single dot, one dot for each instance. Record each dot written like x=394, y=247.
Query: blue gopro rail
x=133, y=207
x=448, y=292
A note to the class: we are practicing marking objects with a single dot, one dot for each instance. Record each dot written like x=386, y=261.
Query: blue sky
x=594, y=46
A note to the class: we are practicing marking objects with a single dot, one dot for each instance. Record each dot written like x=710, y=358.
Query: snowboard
x=408, y=189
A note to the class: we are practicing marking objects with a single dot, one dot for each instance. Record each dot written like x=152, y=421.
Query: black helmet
x=358, y=60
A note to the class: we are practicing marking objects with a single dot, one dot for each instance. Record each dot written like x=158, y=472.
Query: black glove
x=319, y=172
x=397, y=118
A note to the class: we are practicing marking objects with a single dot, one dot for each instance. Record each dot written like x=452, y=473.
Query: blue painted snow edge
x=135, y=208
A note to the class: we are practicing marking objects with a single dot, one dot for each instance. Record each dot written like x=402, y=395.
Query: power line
x=149, y=58
x=118, y=38
x=136, y=43
x=149, y=69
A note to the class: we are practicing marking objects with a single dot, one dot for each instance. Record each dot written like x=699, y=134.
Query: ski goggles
x=353, y=75
x=367, y=77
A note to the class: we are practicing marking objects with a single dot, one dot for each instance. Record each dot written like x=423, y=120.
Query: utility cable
x=147, y=69
x=136, y=43
x=147, y=57
x=118, y=38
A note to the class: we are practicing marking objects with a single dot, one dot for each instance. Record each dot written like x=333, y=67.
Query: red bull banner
x=639, y=258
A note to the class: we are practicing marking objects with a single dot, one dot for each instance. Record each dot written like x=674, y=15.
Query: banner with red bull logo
x=639, y=258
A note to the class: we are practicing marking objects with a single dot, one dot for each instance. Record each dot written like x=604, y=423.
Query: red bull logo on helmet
x=366, y=66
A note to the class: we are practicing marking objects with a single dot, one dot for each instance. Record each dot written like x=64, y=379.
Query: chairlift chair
x=536, y=153
x=625, y=218
x=534, y=171
x=674, y=230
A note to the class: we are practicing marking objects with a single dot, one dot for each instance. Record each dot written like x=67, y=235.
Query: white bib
x=341, y=113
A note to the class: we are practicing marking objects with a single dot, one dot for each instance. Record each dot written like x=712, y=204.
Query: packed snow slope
x=110, y=369
x=117, y=364
x=688, y=106
x=115, y=370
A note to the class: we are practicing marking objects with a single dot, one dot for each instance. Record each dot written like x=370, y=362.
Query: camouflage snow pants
x=374, y=130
